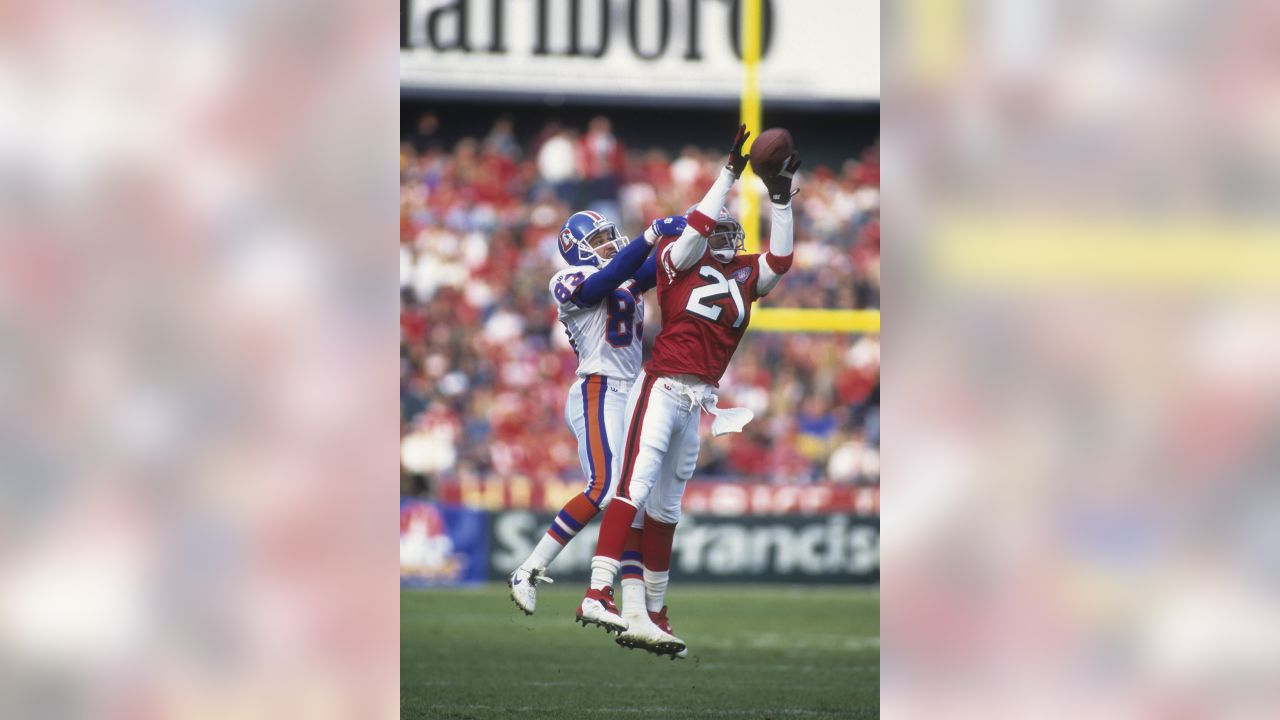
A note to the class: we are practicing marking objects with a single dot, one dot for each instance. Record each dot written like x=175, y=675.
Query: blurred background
x=1082, y=513
x=196, y=307
x=490, y=169
x=194, y=409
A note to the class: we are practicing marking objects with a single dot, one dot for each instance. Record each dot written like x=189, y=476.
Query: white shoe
x=597, y=608
x=524, y=588
x=643, y=633
x=661, y=620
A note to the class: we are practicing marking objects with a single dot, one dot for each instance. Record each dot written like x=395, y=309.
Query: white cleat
x=597, y=608
x=644, y=633
x=661, y=620
x=524, y=588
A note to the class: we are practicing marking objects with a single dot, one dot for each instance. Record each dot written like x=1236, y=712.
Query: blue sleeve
x=647, y=276
x=595, y=288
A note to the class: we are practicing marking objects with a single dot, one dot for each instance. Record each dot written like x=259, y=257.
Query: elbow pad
x=779, y=264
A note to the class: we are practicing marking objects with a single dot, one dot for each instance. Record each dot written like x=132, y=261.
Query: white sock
x=603, y=571
x=633, y=600
x=655, y=589
x=546, y=551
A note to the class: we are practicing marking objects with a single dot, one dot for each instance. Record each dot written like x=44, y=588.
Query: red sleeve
x=667, y=272
x=754, y=284
x=780, y=264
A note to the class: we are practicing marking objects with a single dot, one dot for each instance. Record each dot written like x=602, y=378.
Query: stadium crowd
x=485, y=365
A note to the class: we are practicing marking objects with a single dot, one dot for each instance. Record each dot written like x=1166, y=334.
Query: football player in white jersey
x=600, y=304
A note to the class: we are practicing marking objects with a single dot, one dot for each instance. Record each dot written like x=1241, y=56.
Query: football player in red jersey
x=705, y=290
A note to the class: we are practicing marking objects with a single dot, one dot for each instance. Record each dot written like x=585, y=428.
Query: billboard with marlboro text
x=811, y=50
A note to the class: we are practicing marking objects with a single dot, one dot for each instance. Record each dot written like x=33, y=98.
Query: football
x=751, y=586
x=770, y=150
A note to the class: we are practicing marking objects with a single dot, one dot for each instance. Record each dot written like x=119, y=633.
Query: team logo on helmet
x=585, y=235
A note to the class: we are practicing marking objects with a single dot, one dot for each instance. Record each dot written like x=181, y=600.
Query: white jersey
x=608, y=335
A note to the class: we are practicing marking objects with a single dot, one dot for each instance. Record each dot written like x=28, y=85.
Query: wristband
x=703, y=224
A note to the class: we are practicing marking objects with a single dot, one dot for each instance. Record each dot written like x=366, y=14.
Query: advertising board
x=681, y=50
x=835, y=549
x=701, y=497
x=442, y=544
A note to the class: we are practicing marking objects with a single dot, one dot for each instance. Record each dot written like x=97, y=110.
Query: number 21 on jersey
x=719, y=288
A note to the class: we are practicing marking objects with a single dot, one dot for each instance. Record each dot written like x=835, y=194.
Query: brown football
x=770, y=150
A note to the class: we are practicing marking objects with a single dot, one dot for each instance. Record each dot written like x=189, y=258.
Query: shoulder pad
x=564, y=283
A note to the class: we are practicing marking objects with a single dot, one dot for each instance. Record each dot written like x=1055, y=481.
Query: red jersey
x=705, y=311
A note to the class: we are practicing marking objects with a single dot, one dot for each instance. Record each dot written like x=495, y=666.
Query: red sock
x=655, y=544
x=631, y=563
x=614, y=527
x=633, y=540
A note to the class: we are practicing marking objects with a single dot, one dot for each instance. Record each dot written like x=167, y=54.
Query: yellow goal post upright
x=779, y=319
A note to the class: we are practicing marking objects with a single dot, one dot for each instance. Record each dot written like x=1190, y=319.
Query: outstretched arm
x=777, y=261
x=647, y=276
x=628, y=261
x=599, y=285
x=685, y=252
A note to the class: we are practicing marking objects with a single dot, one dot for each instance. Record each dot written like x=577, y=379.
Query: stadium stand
x=485, y=365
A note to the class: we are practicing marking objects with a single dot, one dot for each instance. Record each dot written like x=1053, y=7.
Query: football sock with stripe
x=572, y=518
x=633, y=590
x=613, y=535
x=655, y=545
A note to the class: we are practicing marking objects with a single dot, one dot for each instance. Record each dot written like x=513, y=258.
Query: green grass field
x=754, y=652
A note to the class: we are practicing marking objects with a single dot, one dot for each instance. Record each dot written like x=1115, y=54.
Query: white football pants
x=661, y=450
x=596, y=413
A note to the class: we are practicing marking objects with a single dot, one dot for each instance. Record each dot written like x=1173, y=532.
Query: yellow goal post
x=780, y=319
